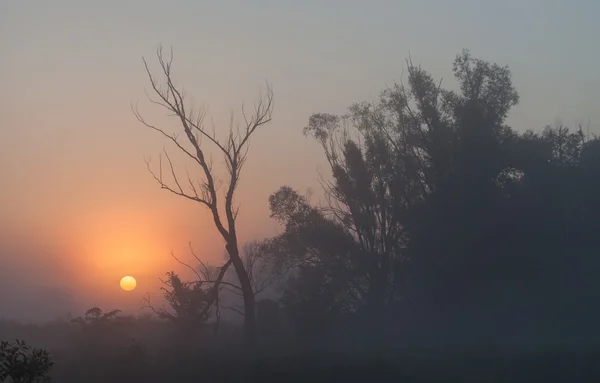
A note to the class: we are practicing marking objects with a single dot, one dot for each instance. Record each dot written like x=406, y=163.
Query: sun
x=128, y=283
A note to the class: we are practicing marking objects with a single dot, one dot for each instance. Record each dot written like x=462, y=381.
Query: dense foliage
x=24, y=364
x=441, y=219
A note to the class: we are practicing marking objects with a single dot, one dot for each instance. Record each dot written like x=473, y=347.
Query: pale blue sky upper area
x=349, y=49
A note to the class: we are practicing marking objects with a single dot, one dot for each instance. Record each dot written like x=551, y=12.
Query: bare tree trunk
x=247, y=295
x=234, y=150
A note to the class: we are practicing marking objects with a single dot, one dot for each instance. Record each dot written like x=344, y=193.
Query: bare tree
x=203, y=189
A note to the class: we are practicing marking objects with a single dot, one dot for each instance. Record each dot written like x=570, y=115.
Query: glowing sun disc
x=128, y=283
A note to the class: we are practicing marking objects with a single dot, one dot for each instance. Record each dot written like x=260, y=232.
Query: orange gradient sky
x=78, y=209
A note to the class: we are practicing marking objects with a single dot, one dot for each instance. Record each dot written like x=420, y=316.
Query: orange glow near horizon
x=112, y=243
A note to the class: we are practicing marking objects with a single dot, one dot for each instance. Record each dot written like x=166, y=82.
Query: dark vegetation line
x=450, y=247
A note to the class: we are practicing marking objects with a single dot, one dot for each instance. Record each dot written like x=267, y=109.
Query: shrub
x=24, y=364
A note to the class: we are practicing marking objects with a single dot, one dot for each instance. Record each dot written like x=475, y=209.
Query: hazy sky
x=78, y=209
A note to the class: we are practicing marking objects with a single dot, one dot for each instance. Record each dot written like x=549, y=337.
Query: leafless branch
x=205, y=274
x=170, y=137
x=215, y=289
x=235, y=150
x=159, y=179
x=206, y=271
x=160, y=312
x=187, y=265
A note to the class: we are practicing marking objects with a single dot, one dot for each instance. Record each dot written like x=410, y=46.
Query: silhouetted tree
x=234, y=150
x=437, y=210
x=23, y=364
x=263, y=273
x=96, y=316
x=557, y=213
x=189, y=301
x=320, y=259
